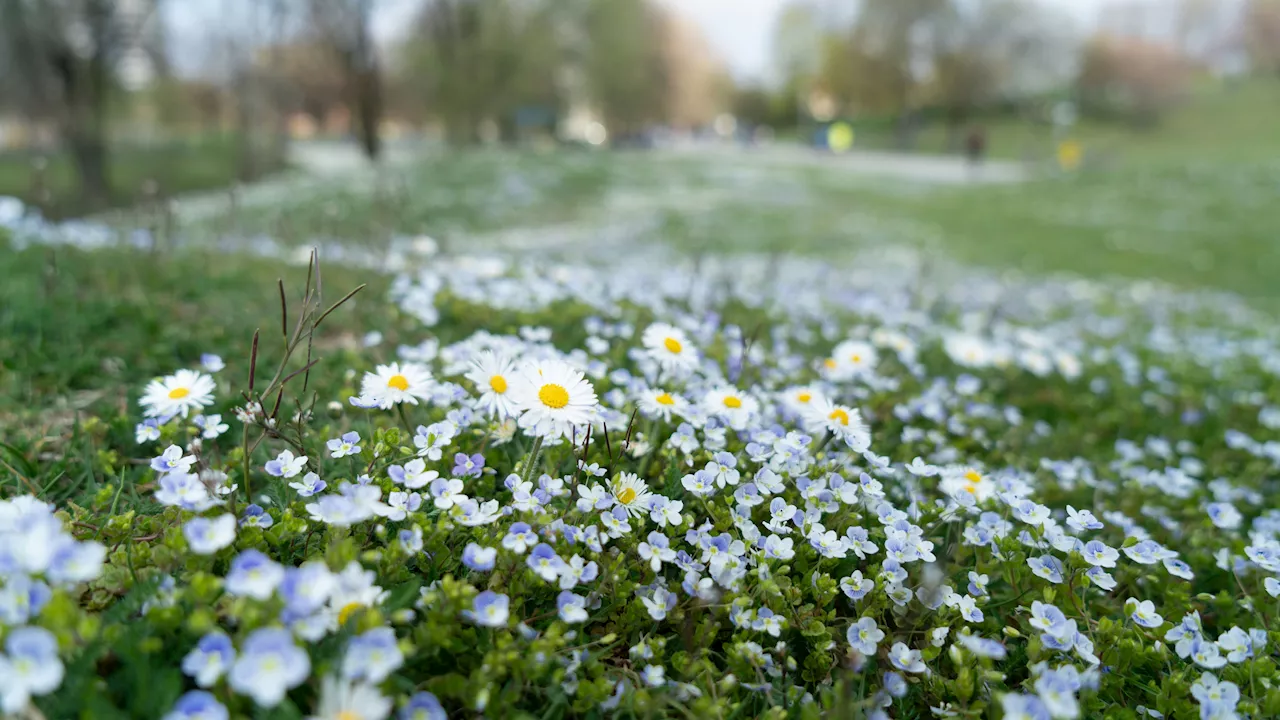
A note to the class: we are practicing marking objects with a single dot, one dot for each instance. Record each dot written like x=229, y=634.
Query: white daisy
x=656, y=403
x=730, y=404
x=340, y=700
x=853, y=358
x=670, y=347
x=631, y=493
x=800, y=399
x=395, y=383
x=968, y=350
x=842, y=421
x=177, y=394
x=552, y=398
x=492, y=375
x=962, y=478
x=896, y=341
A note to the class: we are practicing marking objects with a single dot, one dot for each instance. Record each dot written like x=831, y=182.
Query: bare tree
x=478, y=60
x=347, y=28
x=60, y=57
x=988, y=49
x=897, y=33
x=1260, y=29
x=626, y=72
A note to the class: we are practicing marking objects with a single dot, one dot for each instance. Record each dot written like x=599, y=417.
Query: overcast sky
x=740, y=31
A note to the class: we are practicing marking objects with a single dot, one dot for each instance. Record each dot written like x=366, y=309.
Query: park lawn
x=1196, y=224
x=77, y=323
x=184, y=166
x=1228, y=120
x=444, y=194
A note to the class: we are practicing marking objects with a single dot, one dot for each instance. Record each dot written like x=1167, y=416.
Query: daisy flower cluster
x=709, y=494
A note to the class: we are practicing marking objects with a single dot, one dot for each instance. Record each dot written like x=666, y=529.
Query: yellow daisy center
x=665, y=399
x=830, y=363
x=627, y=496
x=498, y=383
x=553, y=396
x=856, y=358
x=398, y=382
x=804, y=397
x=346, y=612
x=178, y=393
x=840, y=415
x=673, y=345
x=348, y=715
x=732, y=402
x=972, y=480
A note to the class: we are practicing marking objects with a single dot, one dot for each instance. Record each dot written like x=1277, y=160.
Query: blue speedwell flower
x=198, y=705
x=269, y=665
x=29, y=667
x=489, y=609
x=210, y=659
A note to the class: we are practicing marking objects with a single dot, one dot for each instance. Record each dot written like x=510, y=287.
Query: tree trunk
x=82, y=124
x=89, y=152
x=368, y=106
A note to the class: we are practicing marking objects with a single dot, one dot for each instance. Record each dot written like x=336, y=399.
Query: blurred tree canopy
x=471, y=61
x=58, y=62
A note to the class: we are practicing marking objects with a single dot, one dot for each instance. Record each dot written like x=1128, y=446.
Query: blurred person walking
x=976, y=148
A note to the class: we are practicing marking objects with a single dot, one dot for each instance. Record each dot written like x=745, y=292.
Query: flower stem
x=244, y=445
x=531, y=463
x=822, y=444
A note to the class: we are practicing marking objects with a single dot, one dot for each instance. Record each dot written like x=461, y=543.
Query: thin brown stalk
x=335, y=306
x=284, y=310
x=253, y=358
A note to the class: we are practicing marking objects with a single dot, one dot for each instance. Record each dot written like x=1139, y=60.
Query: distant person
x=976, y=145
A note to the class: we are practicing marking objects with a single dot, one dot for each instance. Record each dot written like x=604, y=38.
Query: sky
x=740, y=31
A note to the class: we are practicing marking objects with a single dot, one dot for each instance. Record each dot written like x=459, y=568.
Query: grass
x=1220, y=121
x=1197, y=226
x=76, y=327
x=82, y=332
x=1194, y=224
x=192, y=165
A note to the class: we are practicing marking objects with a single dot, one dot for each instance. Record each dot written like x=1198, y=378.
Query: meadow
x=631, y=435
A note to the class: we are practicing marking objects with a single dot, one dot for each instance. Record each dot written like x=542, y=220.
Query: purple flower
x=464, y=466
x=572, y=608
x=197, y=705
x=545, y=562
x=210, y=659
x=478, y=557
x=489, y=609
x=172, y=461
x=253, y=574
x=1024, y=706
x=348, y=444
x=22, y=599
x=519, y=537
x=255, y=516
x=310, y=485
x=423, y=706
